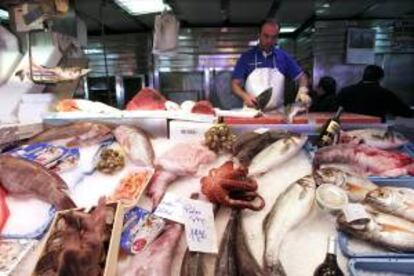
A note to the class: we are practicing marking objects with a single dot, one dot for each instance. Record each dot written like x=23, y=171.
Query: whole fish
x=290, y=208
x=247, y=264
x=83, y=133
x=393, y=200
x=375, y=137
x=373, y=161
x=381, y=229
x=226, y=261
x=136, y=143
x=277, y=153
x=356, y=186
x=21, y=176
x=53, y=74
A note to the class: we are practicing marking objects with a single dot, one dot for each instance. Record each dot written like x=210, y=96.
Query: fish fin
x=276, y=269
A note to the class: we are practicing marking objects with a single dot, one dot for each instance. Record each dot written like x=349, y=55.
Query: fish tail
x=276, y=269
x=65, y=202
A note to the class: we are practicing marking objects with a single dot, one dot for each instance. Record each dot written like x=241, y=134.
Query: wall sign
x=360, y=46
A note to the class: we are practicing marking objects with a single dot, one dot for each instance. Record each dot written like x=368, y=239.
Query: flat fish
x=393, y=200
x=136, y=144
x=277, y=153
x=290, y=209
x=375, y=137
x=23, y=177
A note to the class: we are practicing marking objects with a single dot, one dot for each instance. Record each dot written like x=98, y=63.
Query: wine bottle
x=330, y=130
x=329, y=267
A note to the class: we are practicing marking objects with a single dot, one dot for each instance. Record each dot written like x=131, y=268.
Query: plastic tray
x=382, y=266
x=353, y=248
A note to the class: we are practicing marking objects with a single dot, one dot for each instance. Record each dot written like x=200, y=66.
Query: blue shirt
x=284, y=62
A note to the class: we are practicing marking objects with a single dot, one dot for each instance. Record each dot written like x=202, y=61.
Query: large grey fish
x=290, y=208
x=247, y=264
x=356, y=186
x=23, y=177
x=136, y=143
x=375, y=137
x=277, y=153
x=393, y=200
x=226, y=261
x=381, y=229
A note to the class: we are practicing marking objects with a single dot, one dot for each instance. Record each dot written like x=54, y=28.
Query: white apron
x=261, y=79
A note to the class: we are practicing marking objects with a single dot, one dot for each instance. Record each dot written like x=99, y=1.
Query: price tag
x=355, y=212
x=199, y=226
x=171, y=207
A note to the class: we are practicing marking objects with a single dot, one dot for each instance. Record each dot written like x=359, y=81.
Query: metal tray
x=381, y=266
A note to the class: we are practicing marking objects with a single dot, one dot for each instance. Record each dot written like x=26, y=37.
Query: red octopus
x=231, y=187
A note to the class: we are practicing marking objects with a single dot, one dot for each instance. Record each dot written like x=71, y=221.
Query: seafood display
x=131, y=187
x=219, y=138
x=136, y=144
x=229, y=185
x=70, y=105
x=157, y=259
x=23, y=177
x=384, y=230
x=111, y=161
x=277, y=153
x=371, y=160
x=393, y=200
x=290, y=209
x=147, y=99
x=203, y=107
x=77, y=244
x=374, y=137
x=53, y=74
x=249, y=144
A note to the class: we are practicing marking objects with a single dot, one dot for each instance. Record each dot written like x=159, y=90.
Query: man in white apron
x=265, y=66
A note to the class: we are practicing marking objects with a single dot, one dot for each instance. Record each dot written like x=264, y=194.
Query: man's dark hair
x=373, y=73
x=328, y=84
x=269, y=21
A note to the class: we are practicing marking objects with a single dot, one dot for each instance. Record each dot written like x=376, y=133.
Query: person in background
x=370, y=98
x=265, y=66
x=325, y=96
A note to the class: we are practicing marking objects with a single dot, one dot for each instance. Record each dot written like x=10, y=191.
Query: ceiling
x=106, y=15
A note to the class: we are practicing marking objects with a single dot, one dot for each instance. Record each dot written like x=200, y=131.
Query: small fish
x=375, y=137
x=393, y=200
x=226, y=261
x=356, y=186
x=53, y=74
x=21, y=176
x=247, y=264
x=136, y=144
x=381, y=229
x=277, y=153
x=289, y=210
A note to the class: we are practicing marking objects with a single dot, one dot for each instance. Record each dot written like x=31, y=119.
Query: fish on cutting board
x=157, y=259
x=136, y=144
x=371, y=160
x=277, y=153
x=23, y=177
x=356, y=185
x=393, y=200
x=289, y=210
x=381, y=229
x=375, y=137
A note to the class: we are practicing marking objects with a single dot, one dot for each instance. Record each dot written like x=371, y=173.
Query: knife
x=263, y=98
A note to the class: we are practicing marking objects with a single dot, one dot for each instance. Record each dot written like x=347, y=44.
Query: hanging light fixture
x=139, y=7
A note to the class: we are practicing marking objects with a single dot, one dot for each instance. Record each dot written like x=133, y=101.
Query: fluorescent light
x=4, y=14
x=137, y=7
x=326, y=5
x=253, y=42
x=93, y=51
x=284, y=30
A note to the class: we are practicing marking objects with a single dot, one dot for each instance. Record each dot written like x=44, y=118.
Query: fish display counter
x=229, y=202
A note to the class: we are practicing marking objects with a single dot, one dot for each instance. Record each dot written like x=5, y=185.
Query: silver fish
x=277, y=153
x=52, y=74
x=381, y=229
x=393, y=200
x=375, y=137
x=291, y=208
x=356, y=186
x=136, y=144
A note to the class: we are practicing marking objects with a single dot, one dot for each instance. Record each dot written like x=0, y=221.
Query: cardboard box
x=188, y=131
x=111, y=263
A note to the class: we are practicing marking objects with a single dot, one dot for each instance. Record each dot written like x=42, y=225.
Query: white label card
x=171, y=208
x=200, y=230
x=354, y=212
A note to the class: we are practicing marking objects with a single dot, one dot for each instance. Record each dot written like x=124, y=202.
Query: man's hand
x=303, y=97
x=249, y=100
